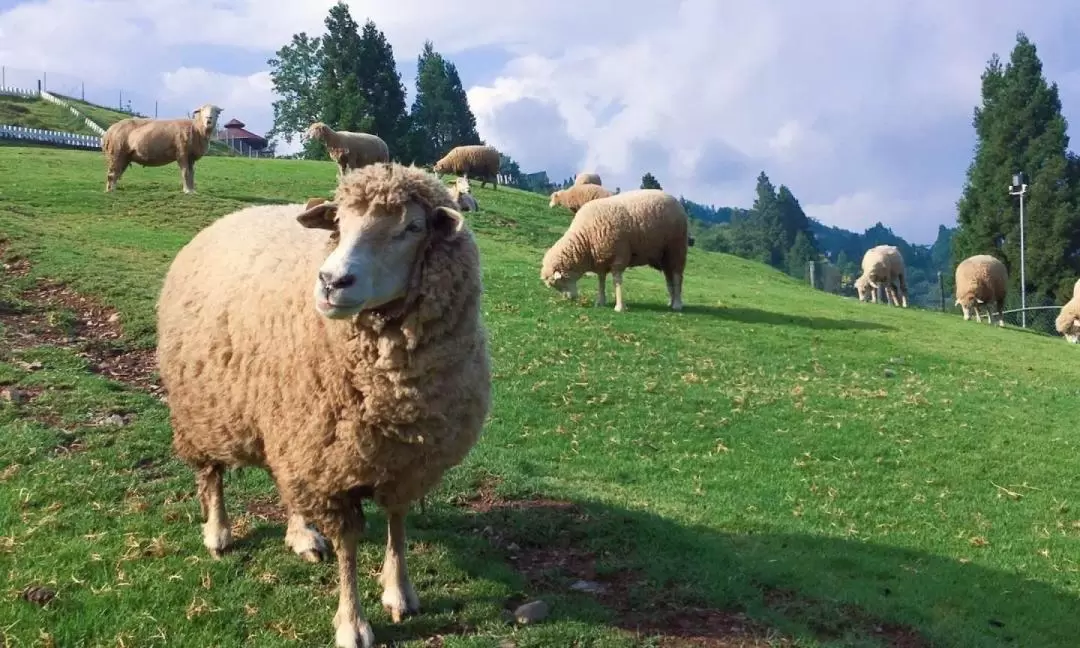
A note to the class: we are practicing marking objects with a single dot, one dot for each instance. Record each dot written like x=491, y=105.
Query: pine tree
x=649, y=181
x=341, y=102
x=800, y=254
x=381, y=87
x=1020, y=128
x=441, y=118
x=767, y=218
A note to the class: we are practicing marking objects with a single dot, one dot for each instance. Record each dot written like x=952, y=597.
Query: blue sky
x=862, y=108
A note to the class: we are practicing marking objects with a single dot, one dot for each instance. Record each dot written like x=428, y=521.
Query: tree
x=341, y=101
x=381, y=87
x=441, y=118
x=800, y=254
x=1020, y=128
x=649, y=181
x=295, y=73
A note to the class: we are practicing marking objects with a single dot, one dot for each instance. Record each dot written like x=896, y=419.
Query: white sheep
x=461, y=192
x=635, y=228
x=883, y=265
x=340, y=346
x=982, y=279
x=1068, y=320
x=575, y=196
x=350, y=150
x=587, y=178
x=157, y=142
x=472, y=161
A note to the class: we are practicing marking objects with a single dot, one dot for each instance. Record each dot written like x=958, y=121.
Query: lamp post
x=1019, y=188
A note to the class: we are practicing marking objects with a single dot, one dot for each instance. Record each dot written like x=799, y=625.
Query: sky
x=863, y=109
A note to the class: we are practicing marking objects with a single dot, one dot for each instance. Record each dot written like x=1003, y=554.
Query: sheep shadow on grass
x=757, y=316
x=600, y=565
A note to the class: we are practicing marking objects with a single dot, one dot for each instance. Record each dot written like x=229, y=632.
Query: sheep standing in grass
x=350, y=150
x=574, y=197
x=587, y=178
x=1068, y=320
x=641, y=227
x=475, y=161
x=883, y=265
x=344, y=353
x=982, y=279
x=461, y=192
x=157, y=142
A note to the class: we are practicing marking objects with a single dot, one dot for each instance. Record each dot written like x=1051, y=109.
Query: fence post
x=82, y=84
x=941, y=289
x=45, y=76
x=39, y=86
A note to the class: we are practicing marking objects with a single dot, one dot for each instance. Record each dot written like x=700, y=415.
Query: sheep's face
x=561, y=280
x=377, y=249
x=862, y=287
x=207, y=116
x=554, y=198
x=1072, y=331
x=314, y=131
x=462, y=186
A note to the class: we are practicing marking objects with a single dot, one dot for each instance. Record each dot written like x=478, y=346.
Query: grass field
x=773, y=466
x=38, y=113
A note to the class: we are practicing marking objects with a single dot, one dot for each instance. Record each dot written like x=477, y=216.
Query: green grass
x=38, y=113
x=823, y=466
x=100, y=115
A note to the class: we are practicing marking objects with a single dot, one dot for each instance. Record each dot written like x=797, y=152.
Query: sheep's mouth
x=337, y=309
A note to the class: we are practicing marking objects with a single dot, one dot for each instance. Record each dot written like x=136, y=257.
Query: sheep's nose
x=330, y=281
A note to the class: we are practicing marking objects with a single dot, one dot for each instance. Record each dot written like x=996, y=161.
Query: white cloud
x=859, y=107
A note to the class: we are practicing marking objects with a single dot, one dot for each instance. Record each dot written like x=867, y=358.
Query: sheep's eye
x=414, y=227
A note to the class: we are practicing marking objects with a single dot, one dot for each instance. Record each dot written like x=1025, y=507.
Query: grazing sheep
x=350, y=150
x=587, y=178
x=461, y=192
x=1068, y=320
x=982, y=279
x=574, y=197
x=883, y=265
x=157, y=142
x=474, y=160
x=344, y=353
x=640, y=227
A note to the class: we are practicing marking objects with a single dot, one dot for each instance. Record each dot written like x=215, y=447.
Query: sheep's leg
x=874, y=292
x=187, y=175
x=398, y=597
x=616, y=278
x=352, y=629
x=1001, y=313
x=217, y=535
x=601, y=293
x=903, y=290
x=303, y=540
x=676, y=291
x=890, y=294
x=116, y=169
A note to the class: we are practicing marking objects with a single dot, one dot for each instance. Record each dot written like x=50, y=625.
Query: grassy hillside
x=38, y=113
x=773, y=466
x=101, y=115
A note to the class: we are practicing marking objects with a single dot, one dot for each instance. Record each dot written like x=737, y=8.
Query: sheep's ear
x=447, y=222
x=319, y=213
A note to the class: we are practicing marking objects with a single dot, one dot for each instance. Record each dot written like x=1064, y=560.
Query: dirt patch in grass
x=549, y=549
x=52, y=313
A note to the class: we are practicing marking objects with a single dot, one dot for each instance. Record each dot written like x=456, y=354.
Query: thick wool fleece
x=982, y=278
x=154, y=142
x=352, y=150
x=474, y=160
x=883, y=264
x=383, y=403
x=1068, y=319
x=575, y=196
x=634, y=228
x=587, y=178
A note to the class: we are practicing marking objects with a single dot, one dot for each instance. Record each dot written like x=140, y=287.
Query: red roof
x=234, y=129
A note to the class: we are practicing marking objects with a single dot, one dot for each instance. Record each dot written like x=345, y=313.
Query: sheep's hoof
x=216, y=539
x=354, y=635
x=308, y=544
x=620, y=308
x=400, y=602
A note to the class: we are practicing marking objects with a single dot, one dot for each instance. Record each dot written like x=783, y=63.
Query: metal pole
x=1023, y=276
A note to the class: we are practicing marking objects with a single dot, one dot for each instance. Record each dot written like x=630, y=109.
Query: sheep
x=982, y=279
x=351, y=150
x=1068, y=320
x=883, y=265
x=338, y=345
x=475, y=160
x=640, y=227
x=577, y=195
x=461, y=192
x=587, y=178
x=157, y=142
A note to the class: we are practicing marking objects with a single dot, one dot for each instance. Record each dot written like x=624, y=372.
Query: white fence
x=18, y=92
x=48, y=96
x=59, y=138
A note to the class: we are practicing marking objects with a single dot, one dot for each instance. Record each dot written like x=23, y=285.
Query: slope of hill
x=38, y=113
x=773, y=466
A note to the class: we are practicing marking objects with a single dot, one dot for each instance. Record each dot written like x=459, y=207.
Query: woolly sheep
x=641, y=227
x=982, y=279
x=474, y=160
x=1068, y=320
x=883, y=265
x=344, y=353
x=157, y=142
x=349, y=149
x=461, y=192
x=587, y=178
x=574, y=197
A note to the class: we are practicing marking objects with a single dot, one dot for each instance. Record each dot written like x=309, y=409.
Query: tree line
x=348, y=79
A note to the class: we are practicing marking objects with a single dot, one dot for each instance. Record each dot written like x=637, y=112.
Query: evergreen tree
x=649, y=181
x=799, y=256
x=381, y=88
x=1020, y=128
x=441, y=118
x=766, y=210
x=295, y=73
x=341, y=102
